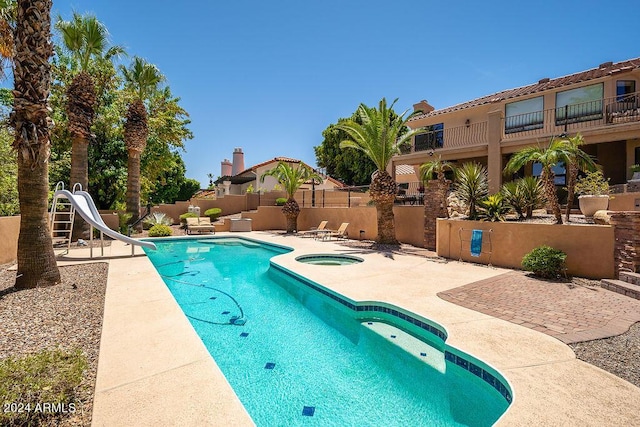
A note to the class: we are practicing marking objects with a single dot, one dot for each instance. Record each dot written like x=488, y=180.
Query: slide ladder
x=61, y=217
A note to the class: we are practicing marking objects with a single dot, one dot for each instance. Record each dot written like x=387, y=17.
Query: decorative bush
x=544, y=261
x=492, y=208
x=160, y=230
x=280, y=201
x=156, y=218
x=213, y=213
x=593, y=183
x=184, y=216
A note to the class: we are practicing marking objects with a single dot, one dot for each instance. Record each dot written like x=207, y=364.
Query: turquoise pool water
x=295, y=356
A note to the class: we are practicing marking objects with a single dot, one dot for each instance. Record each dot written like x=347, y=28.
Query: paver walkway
x=569, y=312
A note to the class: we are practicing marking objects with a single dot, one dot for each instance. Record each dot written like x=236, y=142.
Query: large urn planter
x=589, y=204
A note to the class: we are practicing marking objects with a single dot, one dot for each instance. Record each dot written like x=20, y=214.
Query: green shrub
x=593, y=184
x=184, y=216
x=160, y=230
x=493, y=208
x=280, y=201
x=156, y=218
x=51, y=376
x=545, y=261
x=213, y=213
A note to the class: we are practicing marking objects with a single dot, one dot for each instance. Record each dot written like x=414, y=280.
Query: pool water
x=297, y=357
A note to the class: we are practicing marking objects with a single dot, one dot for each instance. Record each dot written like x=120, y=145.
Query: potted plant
x=593, y=193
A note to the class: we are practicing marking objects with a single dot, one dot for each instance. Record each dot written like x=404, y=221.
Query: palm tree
x=557, y=151
x=471, y=185
x=30, y=118
x=379, y=135
x=86, y=39
x=291, y=179
x=141, y=79
x=577, y=160
x=438, y=167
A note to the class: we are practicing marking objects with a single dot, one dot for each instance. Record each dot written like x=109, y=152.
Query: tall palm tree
x=379, y=135
x=141, y=79
x=291, y=179
x=30, y=118
x=556, y=152
x=577, y=160
x=438, y=167
x=86, y=39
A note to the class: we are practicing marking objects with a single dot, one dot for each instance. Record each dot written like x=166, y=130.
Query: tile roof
x=254, y=168
x=605, y=69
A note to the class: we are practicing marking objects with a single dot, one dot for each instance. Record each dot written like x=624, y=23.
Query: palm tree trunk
x=386, y=224
x=133, y=187
x=79, y=174
x=572, y=176
x=291, y=210
x=550, y=193
x=32, y=78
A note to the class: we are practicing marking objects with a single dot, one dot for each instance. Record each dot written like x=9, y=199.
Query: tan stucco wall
x=589, y=248
x=230, y=204
x=624, y=202
x=9, y=231
x=409, y=221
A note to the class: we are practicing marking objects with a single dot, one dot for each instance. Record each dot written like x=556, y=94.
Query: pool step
x=621, y=287
x=412, y=345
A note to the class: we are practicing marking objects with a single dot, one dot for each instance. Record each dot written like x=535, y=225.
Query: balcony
x=575, y=117
x=450, y=138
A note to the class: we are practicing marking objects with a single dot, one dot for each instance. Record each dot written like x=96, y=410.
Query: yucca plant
x=533, y=193
x=471, y=185
x=379, y=135
x=157, y=218
x=493, y=208
x=513, y=197
x=291, y=179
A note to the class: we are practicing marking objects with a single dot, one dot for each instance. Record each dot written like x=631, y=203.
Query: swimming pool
x=297, y=354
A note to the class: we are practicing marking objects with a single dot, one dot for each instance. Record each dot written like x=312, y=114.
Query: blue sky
x=270, y=76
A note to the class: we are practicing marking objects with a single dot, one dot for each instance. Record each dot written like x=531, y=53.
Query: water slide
x=83, y=204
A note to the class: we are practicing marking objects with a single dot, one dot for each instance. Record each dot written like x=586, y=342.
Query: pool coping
x=153, y=369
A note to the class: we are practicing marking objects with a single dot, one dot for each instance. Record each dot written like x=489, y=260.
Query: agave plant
x=471, y=185
x=493, y=208
x=513, y=197
x=157, y=218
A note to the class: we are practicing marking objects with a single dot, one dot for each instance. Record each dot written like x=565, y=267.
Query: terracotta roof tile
x=603, y=70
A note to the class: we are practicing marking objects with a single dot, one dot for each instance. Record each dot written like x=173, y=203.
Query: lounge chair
x=340, y=233
x=201, y=224
x=314, y=231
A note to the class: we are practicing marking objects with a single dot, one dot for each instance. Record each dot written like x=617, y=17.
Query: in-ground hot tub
x=329, y=259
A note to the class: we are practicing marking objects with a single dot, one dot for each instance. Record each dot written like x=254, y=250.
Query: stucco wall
x=624, y=202
x=230, y=204
x=409, y=221
x=9, y=231
x=589, y=248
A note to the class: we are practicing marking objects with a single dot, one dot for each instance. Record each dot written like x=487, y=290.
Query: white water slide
x=84, y=205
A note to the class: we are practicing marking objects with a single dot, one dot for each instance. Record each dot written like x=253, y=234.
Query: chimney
x=225, y=168
x=423, y=106
x=238, y=161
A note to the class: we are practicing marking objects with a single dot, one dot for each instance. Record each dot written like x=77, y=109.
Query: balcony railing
x=455, y=137
x=575, y=117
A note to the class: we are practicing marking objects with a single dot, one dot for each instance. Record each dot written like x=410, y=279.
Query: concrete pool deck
x=154, y=370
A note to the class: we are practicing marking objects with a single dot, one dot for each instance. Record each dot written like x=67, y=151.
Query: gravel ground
x=68, y=316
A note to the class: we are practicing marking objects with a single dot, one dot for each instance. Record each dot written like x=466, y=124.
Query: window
x=524, y=115
x=579, y=105
x=624, y=90
x=559, y=171
x=431, y=139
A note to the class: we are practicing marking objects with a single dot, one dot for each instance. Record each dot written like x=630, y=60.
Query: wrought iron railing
x=575, y=117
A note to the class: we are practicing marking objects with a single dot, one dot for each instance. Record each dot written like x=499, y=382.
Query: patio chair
x=340, y=233
x=314, y=231
x=201, y=224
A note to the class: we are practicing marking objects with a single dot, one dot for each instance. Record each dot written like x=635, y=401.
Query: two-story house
x=603, y=104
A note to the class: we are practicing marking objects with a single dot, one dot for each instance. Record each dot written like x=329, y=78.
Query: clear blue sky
x=270, y=76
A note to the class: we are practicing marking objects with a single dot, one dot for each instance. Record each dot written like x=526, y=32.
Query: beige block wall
x=230, y=204
x=409, y=221
x=589, y=248
x=9, y=231
x=624, y=202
